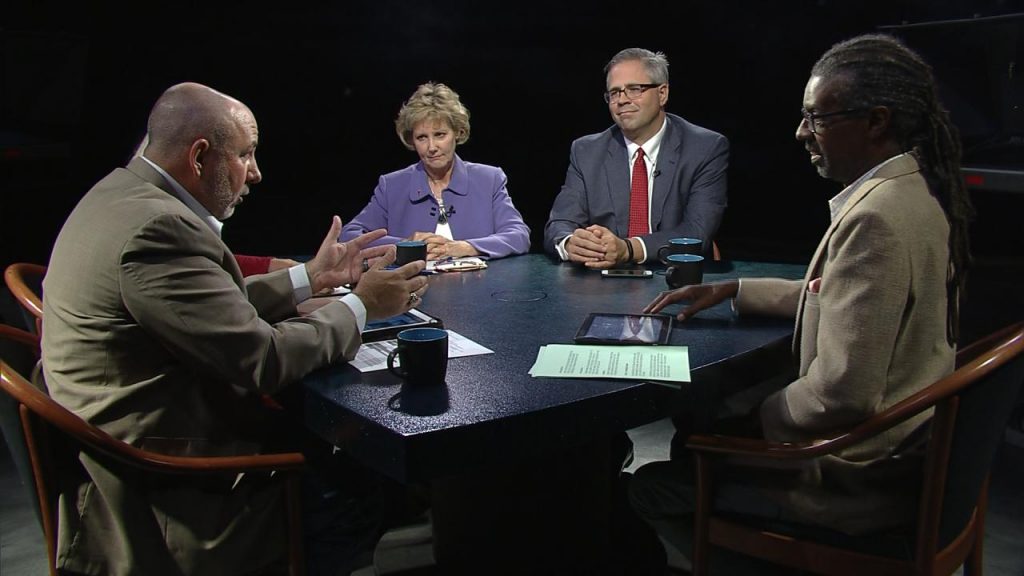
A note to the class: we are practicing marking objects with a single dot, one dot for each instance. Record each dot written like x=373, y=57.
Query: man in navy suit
x=650, y=177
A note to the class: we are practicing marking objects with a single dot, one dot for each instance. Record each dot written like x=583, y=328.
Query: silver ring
x=366, y=265
x=413, y=298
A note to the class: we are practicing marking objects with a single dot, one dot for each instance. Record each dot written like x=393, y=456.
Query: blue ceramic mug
x=679, y=246
x=684, y=270
x=423, y=355
x=410, y=251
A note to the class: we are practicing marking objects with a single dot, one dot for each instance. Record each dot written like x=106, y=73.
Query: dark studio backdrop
x=326, y=79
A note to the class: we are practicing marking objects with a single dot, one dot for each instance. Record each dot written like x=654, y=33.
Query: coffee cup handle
x=661, y=253
x=391, y=364
x=669, y=272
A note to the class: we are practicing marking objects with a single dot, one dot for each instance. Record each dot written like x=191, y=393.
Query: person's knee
x=639, y=495
x=659, y=490
x=646, y=491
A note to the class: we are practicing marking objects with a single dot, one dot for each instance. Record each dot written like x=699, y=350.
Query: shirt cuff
x=300, y=283
x=560, y=248
x=739, y=288
x=643, y=249
x=356, y=306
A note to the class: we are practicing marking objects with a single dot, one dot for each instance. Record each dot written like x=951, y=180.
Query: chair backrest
x=25, y=281
x=982, y=413
x=27, y=443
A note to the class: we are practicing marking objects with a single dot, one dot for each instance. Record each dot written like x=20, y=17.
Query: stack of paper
x=665, y=363
x=456, y=264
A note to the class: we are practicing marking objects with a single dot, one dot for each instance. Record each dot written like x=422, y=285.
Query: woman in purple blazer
x=458, y=208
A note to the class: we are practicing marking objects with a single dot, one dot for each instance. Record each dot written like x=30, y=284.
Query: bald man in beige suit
x=875, y=315
x=150, y=333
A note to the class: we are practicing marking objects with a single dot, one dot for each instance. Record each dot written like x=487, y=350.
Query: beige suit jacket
x=874, y=334
x=150, y=333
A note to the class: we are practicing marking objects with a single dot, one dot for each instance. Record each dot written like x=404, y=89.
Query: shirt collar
x=188, y=199
x=458, y=183
x=835, y=205
x=651, y=147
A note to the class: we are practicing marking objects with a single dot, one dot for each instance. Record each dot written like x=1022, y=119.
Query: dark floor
x=22, y=551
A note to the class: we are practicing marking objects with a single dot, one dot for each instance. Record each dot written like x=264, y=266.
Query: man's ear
x=879, y=119
x=196, y=155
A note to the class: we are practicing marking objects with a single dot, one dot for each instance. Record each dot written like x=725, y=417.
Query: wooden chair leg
x=40, y=467
x=973, y=566
x=296, y=554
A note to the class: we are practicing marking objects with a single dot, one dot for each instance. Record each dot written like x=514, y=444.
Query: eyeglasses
x=632, y=92
x=813, y=119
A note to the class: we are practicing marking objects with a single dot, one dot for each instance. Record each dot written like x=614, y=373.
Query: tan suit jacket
x=150, y=333
x=874, y=334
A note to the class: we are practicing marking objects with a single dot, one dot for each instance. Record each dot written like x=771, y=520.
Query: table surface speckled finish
x=492, y=408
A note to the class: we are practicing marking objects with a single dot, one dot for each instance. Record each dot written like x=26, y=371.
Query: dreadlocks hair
x=880, y=71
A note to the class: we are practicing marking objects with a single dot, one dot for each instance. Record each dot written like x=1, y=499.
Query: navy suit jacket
x=689, y=194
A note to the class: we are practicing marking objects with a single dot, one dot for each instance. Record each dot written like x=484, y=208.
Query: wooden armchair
x=52, y=437
x=972, y=407
x=25, y=281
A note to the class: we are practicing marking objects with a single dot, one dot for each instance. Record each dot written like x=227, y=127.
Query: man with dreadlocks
x=876, y=314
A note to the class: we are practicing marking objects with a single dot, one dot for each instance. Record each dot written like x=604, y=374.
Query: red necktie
x=638, y=197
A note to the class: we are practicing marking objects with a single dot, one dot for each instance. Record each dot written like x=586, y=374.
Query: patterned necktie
x=638, y=197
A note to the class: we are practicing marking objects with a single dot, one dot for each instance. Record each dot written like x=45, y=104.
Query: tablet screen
x=625, y=329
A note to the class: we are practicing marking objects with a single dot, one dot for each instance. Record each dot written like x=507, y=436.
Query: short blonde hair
x=432, y=101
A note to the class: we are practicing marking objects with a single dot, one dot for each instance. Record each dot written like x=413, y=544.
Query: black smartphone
x=617, y=273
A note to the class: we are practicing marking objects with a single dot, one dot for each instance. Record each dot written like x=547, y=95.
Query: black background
x=326, y=79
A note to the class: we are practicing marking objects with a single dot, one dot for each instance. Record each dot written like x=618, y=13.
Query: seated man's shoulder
x=122, y=201
x=598, y=138
x=694, y=131
x=905, y=197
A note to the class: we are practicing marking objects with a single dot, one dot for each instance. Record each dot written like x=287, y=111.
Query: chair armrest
x=973, y=365
x=19, y=336
x=168, y=464
x=752, y=447
x=95, y=439
x=214, y=464
x=16, y=278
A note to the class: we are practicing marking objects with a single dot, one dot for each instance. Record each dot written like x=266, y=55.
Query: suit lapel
x=618, y=181
x=898, y=167
x=459, y=183
x=421, y=190
x=665, y=166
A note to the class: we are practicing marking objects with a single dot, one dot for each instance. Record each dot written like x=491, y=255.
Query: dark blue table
x=495, y=410
x=519, y=466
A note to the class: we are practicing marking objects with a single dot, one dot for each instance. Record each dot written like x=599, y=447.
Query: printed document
x=664, y=363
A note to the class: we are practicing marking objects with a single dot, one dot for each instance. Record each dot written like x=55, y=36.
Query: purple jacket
x=481, y=210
